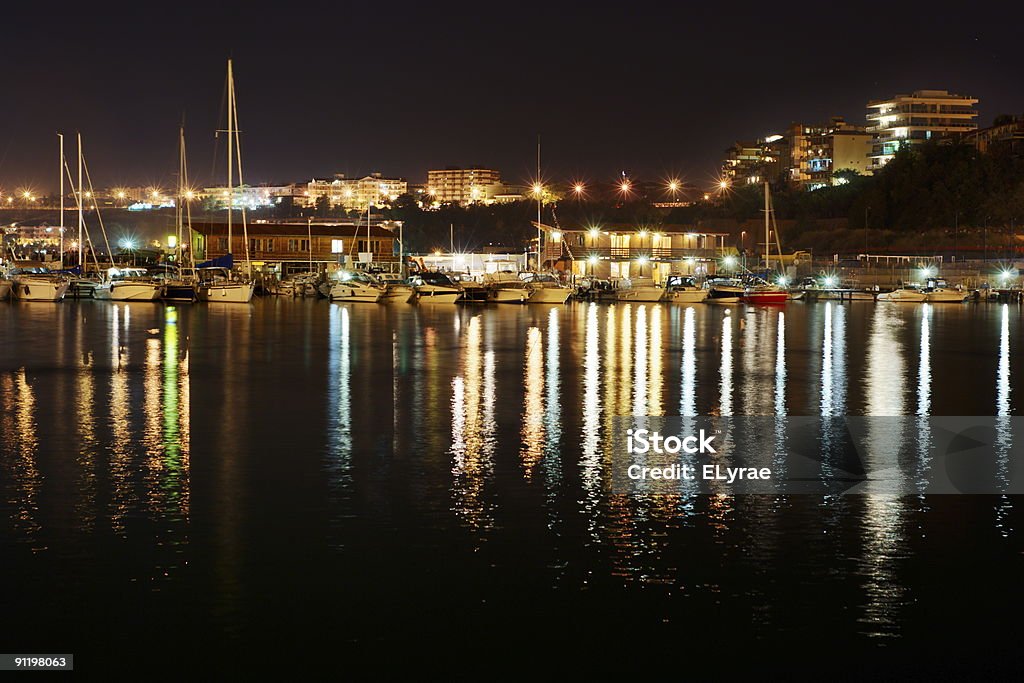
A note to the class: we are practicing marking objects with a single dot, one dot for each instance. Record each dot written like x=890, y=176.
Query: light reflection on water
x=489, y=424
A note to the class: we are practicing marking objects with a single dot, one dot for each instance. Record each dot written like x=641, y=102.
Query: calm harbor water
x=295, y=478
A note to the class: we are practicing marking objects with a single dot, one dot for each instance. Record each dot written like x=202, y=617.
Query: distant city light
x=723, y=184
x=624, y=186
x=127, y=243
x=673, y=186
x=578, y=189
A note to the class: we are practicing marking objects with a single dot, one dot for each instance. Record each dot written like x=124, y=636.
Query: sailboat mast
x=540, y=199
x=61, y=171
x=181, y=195
x=767, y=236
x=231, y=142
x=81, y=216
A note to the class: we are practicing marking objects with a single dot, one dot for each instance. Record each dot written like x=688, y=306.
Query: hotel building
x=912, y=119
x=356, y=193
x=464, y=185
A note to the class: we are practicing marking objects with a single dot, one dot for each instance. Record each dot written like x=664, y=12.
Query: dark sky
x=360, y=87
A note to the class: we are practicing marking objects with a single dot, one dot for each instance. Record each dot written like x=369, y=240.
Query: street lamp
x=578, y=188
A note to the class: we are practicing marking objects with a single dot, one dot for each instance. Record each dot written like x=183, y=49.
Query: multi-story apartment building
x=912, y=119
x=356, y=193
x=1005, y=131
x=464, y=185
x=812, y=154
x=752, y=162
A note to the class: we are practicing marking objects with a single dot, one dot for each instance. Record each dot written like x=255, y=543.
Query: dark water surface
x=297, y=483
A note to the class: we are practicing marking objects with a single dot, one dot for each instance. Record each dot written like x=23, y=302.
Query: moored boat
x=39, y=285
x=436, y=288
x=680, y=289
x=905, y=294
x=639, y=289
x=356, y=287
x=545, y=289
x=505, y=287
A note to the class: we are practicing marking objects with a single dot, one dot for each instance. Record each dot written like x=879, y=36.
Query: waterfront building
x=356, y=193
x=814, y=153
x=464, y=186
x=912, y=119
x=618, y=251
x=290, y=247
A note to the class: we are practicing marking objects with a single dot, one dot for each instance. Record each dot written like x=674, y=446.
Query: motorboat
x=724, y=290
x=545, y=289
x=218, y=285
x=396, y=290
x=436, y=288
x=760, y=292
x=356, y=287
x=639, y=289
x=905, y=294
x=506, y=287
x=680, y=289
x=938, y=292
x=38, y=284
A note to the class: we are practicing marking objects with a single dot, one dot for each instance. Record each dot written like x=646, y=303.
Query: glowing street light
x=624, y=187
x=729, y=261
x=555, y=235
x=595, y=233
x=538, y=189
x=723, y=184
x=578, y=189
x=593, y=260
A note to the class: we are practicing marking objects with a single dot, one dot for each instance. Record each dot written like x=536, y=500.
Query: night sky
x=361, y=87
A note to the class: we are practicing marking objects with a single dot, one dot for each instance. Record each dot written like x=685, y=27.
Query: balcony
x=632, y=253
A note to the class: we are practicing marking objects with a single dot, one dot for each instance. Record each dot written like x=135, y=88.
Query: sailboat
x=217, y=281
x=182, y=287
x=761, y=292
x=39, y=284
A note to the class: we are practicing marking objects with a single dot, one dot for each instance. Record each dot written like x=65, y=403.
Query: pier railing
x=629, y=253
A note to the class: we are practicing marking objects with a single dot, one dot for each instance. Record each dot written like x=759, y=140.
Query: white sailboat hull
x=135, y=291
x=226, y=293
x=33, y=289
x=641, y=294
